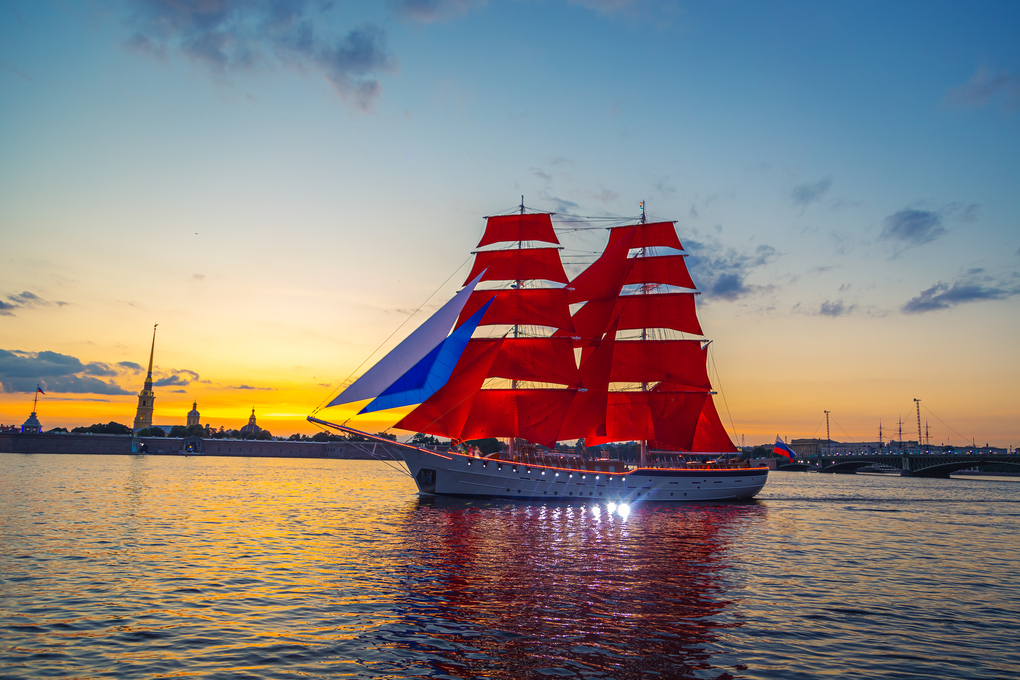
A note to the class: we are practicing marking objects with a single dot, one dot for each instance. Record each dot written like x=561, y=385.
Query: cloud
x=983, y=87
x=806, y=194
x=944, y=296
x=248, y=387
x=836, y=308
x=603, y=6
x=176, y=377
x=913, y=227
x=559, y=205
x=228, y=38
x=722, y=272
x=430, y=11
x=130, y=365
x=25, y=300
x=22, y=371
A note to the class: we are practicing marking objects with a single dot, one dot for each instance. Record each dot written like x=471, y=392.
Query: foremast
x=517, y=377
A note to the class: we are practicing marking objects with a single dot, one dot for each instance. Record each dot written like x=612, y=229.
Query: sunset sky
x=279, y=184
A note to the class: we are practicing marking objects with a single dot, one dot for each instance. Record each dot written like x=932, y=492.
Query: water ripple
x=159, y=567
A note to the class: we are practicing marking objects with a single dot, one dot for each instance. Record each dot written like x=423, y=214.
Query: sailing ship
x=628, y=365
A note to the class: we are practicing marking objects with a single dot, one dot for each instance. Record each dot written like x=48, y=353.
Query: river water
x=131, y=566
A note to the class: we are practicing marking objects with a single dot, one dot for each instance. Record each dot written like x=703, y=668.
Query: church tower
x=193, y=415
x=146, y=398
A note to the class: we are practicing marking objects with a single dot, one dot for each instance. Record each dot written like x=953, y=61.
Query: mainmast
x=644, y=336
x=512, y=445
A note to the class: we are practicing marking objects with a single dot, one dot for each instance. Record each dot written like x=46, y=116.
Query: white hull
x=443, y=474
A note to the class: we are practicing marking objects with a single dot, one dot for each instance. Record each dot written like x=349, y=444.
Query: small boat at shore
x=519, y=365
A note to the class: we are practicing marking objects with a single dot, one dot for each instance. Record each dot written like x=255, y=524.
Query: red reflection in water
x=515, y=590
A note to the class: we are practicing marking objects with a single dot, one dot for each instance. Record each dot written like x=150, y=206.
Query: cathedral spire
x=152, y=352
x=146, y=398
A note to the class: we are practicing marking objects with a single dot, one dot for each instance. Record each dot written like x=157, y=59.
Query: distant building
x=32, y=425
x=193, y=414
x=146, y=398
x=251, y=426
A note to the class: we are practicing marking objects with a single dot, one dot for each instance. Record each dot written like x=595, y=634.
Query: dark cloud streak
x=983, y=87
x=230, y=37
x=806, y=194
x=722, y=272
x=943, y=296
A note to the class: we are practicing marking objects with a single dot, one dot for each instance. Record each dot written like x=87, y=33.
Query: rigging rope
x=376, y=350
x=943, y=422
x=372, y=453
x=718, y=380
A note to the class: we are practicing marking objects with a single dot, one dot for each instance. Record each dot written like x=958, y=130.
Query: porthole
x=556, y=493
x=670, y=493
x=571, y=493
x=600, y=493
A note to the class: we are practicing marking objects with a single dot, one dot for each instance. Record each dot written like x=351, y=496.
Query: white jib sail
x=409, y=352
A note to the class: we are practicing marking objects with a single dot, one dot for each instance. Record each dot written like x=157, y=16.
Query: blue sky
x=278, y=183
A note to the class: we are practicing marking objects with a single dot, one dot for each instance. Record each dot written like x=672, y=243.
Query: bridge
x=913, y=464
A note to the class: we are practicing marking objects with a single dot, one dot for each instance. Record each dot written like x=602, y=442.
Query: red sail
x=655, y=310
x=547, y=360
x=535, y=415
x=648, y=235
x=666, y=418
x=446, y=411
x=679, y=362
x=604, y=277
x=531, y=306
x=530, y=227
x=668, y=269
x=659, y=310
x=710, y=435
x=519, y=264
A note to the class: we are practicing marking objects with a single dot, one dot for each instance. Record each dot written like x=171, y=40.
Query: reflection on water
x=516, y=589
x=153, y=567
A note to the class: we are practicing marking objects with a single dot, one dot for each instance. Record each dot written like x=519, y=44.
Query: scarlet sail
x=529, y=356
x=505, y=386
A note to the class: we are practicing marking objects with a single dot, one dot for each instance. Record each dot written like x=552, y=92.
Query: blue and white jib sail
x=422, y=363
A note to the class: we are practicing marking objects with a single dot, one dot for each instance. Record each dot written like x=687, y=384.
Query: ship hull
x=440, y=474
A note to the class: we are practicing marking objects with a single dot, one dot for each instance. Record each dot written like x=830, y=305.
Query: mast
x=899, y=421
x=827, y=437
x=673, y=407
x=467, y=406
x=644, y=337
x=880, y=435
x=512, y=445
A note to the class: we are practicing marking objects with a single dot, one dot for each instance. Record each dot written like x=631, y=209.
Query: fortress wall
x=112, y=444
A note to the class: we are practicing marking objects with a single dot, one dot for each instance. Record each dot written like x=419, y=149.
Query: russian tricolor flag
x=781, y=449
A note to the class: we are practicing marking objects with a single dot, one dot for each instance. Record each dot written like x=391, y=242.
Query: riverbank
x=123, y=445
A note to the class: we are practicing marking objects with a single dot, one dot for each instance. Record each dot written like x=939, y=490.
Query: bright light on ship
x=623, y=510
x=611, y=507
